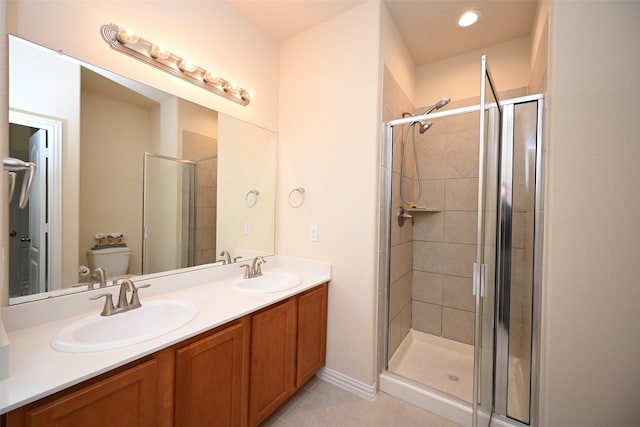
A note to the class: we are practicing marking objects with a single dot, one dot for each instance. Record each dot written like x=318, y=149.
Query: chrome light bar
x=125, y=41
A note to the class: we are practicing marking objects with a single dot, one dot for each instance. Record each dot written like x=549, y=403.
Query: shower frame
x=145, y=208
x=420, y=394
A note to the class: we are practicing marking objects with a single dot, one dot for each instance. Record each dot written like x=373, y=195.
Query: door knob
x=13, y=233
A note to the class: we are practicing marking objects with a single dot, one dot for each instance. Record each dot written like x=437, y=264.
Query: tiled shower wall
x=444, y=246
x=197, y=147
x=431, y=258
x=395, y=102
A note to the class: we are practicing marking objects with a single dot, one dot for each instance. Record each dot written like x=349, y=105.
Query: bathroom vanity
x=236, y=372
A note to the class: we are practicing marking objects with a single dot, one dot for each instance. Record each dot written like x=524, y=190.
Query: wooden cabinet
x=273, y=353
x=211, y=378
x=311, y=333
x=236, y=375
x=128, y=399
x=288, y=347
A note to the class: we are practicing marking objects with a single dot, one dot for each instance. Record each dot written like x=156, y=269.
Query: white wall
x=458, y=77
x=212, y=33
x=328, y=144
x=591, y=290
x=53, y=94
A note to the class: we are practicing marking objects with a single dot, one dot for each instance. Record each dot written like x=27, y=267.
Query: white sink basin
x=273, y=281
x=99, y=333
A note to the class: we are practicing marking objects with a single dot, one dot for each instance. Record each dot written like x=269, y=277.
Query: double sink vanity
x=206, y=347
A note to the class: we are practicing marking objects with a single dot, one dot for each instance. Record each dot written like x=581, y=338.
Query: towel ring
x=300, y=195
x=251, y=198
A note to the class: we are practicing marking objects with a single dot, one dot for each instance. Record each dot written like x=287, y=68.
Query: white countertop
x=36, y=370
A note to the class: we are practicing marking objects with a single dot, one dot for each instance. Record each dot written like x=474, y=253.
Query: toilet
x=113, y=260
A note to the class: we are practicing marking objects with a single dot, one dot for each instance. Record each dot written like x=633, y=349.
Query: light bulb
x=159, y=52
x=210, y=77
x=187, y=65
x=468, y=18
x=126, y=35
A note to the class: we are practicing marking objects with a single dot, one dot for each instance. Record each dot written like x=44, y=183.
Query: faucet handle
x=247, y=271
x=108, y=309
x=135, y=299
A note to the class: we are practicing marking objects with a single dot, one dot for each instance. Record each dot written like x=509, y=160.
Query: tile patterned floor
x=321, y=404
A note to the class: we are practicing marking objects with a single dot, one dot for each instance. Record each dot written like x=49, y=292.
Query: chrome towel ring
x=251, y=198
x=296, y=197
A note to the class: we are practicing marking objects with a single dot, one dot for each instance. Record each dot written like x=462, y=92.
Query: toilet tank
x=114, y=261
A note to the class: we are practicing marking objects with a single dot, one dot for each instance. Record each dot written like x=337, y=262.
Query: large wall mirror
x=129, y=180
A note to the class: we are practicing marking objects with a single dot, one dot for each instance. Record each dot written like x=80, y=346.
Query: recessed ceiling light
x=468, y=18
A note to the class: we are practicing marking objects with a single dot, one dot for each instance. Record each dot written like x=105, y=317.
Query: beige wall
x=247, y=161
x=458, y=77
x=396, y=57
x=328, y=144
x=111, y=163
x=590, y=340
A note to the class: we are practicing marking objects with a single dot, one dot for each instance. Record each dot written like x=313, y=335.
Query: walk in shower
x=459, y=217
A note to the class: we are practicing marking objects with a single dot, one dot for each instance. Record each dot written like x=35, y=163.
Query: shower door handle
x=478, y=279
x=475, y=279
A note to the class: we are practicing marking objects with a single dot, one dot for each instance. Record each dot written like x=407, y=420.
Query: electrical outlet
x=247, y=227
x=313, y=232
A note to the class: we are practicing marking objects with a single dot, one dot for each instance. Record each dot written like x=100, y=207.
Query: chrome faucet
x=126, y=285
x=253, y=270
x=98, y=275
x=225, y=253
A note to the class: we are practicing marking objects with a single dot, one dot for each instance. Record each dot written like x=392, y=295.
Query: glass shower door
x=484, y=269
x=168, y=213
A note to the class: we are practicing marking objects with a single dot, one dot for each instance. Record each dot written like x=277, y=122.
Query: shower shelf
x=427, y=210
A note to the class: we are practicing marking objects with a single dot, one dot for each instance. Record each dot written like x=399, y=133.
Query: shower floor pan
x=437, y=362
x=447, y=366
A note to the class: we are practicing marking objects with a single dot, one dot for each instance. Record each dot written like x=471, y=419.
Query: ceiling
x=428, y=27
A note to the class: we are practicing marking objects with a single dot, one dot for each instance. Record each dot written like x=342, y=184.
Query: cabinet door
x=127, y=399
x=273, y=352
x=210, y=376
x=312, y=333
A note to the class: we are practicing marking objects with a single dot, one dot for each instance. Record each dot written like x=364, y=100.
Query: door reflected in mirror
x=126, y=166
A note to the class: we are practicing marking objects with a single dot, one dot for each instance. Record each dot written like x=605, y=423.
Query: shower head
x=424, y=126
x=438, y=105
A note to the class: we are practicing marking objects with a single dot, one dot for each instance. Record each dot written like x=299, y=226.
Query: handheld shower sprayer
x=438, y=105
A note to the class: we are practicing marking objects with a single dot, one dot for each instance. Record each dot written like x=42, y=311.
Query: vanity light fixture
x=127, y=42
x=468, y=18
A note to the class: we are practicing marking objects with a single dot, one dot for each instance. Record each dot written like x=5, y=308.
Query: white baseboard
x=347, y=383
